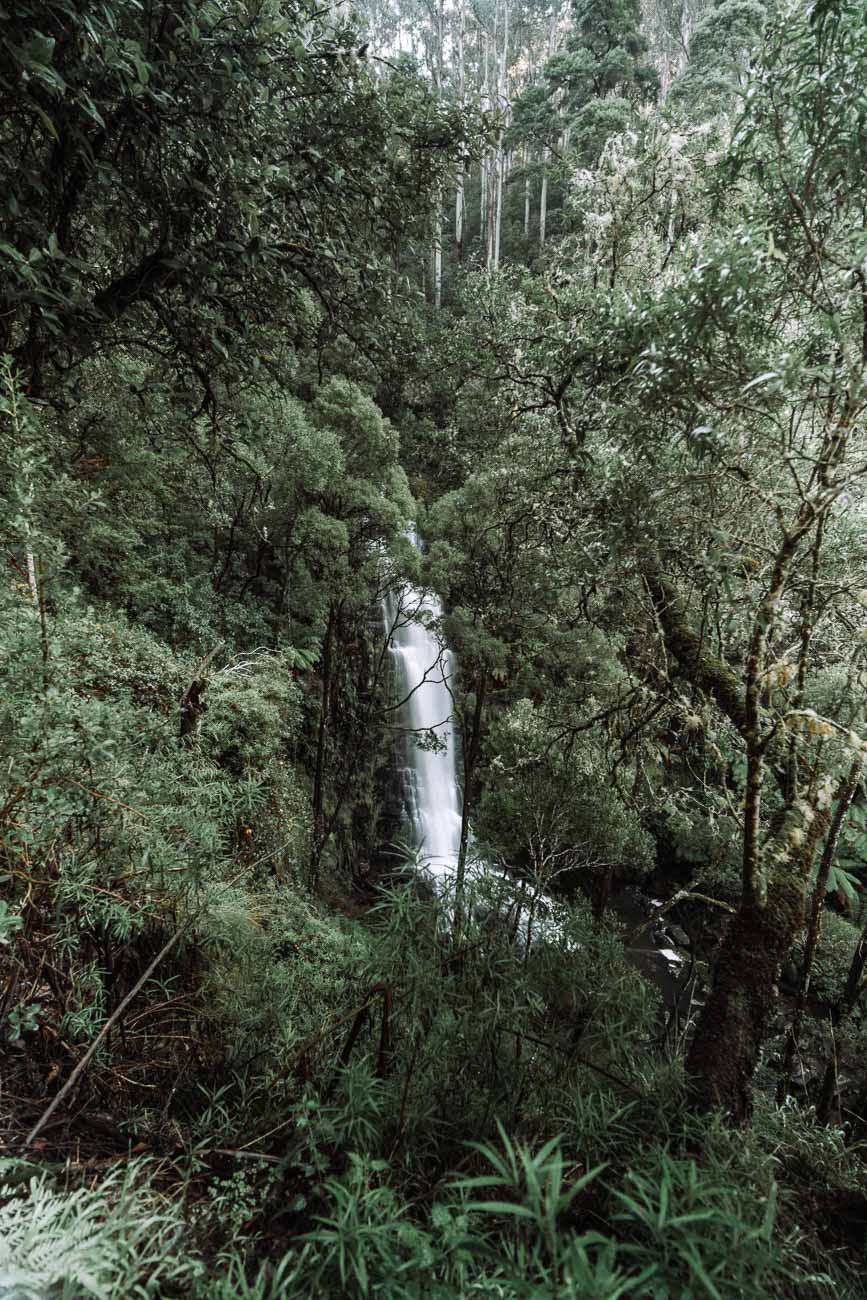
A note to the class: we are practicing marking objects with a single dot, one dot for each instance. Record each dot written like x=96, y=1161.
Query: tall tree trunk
x=491, y=97
x=438, y=253
x=498, y=221
x=502, y=105
x=736, y=1019
x=322, y=737
x=483, y=176
x=543, y=201
x=459, y=191
x=472, y=746
x=483, y=196
x=844, y=802
x=459, y=213
x=526, y=192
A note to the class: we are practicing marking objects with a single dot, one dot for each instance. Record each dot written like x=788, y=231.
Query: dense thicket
x=578, y=293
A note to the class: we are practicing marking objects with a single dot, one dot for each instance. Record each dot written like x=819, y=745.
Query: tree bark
x=543, y=201
x=844, y=802
x=459, y=191
x=502, y=102
x=850, y=997
x=472, y=745
x=736, y=1019
x=324, y=709
x=526, y=192
x=438, y=254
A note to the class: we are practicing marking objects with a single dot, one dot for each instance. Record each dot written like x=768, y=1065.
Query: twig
x=574, y=1056
x=134, y=991
x=106, y=1029
x=632, y=935
x=241, y=1154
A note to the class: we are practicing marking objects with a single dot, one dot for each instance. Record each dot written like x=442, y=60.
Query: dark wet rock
x=790, y=974
x=679, y=936
x=800, y=1083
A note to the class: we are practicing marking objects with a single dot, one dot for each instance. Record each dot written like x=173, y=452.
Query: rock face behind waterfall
x=424, y=795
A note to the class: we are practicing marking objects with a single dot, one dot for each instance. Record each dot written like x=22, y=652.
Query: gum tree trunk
x=736, y=1019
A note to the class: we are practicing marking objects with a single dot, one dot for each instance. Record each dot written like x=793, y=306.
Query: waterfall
x=428, y=771
x=429, y=745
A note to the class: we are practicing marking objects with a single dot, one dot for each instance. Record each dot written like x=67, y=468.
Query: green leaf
x=501, y=1207
x=46, y=121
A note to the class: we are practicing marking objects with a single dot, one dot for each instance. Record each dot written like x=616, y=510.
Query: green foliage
x=545, y=808
x=838, y=939
x=720, y=51
x=595, y=123
x=116, y=1241
x=98, y=223
x=217, y=373
x=694, y=1237
x=603, y=54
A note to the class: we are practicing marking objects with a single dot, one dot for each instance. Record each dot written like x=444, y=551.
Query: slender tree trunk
x=472, y=745
x=322, y=737
x=438, y=252
x=527, y=192
x=498, y=222
x=502, y=104
x=491, y=97
x=844, y=802
x=459, y=192
x=31, y=578
x=491, y=211
x=459, y=213
x=850, y=997
x=482, y=174
x=483, y=179
x=543, y=202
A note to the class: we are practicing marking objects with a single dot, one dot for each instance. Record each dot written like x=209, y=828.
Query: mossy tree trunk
x=736, y=1019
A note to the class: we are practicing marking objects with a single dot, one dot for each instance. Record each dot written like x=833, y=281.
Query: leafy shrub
x=838, y=939
x=116, y=1241
x=695, y=1236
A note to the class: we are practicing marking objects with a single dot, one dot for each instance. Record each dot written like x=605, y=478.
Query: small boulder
x=679, y=936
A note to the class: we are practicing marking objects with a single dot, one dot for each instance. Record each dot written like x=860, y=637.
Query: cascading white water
x=429, y=745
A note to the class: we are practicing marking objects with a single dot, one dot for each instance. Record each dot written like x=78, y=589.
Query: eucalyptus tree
x=720, y=51
x=601, y=73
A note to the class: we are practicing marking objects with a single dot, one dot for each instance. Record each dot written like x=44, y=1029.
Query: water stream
x=429, y=744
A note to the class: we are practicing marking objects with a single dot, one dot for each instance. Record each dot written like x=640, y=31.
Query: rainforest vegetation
x=574, y=292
